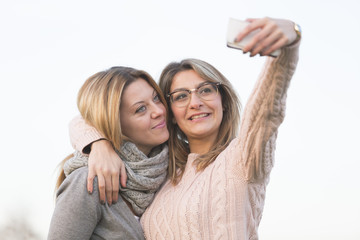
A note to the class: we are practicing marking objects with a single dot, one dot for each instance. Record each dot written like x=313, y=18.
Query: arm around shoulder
x=82, y=134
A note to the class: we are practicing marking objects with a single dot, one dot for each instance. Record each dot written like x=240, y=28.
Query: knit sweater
x=79, y=215
x=226, y=200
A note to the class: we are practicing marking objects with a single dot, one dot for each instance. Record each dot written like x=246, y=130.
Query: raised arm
x=265, y=109
x=103, y=160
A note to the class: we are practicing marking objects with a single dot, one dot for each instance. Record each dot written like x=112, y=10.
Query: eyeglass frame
x=190, y=91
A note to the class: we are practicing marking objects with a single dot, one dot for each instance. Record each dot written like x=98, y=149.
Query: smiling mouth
x=160, y=125
x=199, y=116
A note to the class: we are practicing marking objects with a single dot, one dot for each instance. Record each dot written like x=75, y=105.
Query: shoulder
x=232, y=149
x=76, y=212
x=76, y=178
x=231, y=157
x=75, y=186
x=230, y=153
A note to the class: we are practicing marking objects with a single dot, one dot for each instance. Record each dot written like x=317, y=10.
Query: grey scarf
x=145, y=174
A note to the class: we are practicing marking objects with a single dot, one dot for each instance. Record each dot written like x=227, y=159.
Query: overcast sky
x=49, y=48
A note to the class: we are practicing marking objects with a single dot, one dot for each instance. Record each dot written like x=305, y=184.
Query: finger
x=90, y=181
x=108, y=189
x=115, y=189
x=101, y=182
x=249, y=28
x=267, y=42
x=279, y=44
x=123, y=176
x=251, y=19
x=265, y=32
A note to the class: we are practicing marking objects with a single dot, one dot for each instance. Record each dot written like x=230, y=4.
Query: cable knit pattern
x=226, y=200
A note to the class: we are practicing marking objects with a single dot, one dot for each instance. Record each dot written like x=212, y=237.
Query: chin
x=162, y=139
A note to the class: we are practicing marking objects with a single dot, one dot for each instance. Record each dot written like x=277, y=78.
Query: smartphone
x=235, y=26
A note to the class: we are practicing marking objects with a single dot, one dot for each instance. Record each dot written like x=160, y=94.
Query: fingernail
x=90, y=192
x=114, y=202
x=102, y=202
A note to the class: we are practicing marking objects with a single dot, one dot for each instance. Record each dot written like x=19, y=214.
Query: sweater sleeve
x=263, y=114
x=82, y=134
x=76, y=212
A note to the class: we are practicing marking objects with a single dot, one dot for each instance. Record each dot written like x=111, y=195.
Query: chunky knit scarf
x=145, y=174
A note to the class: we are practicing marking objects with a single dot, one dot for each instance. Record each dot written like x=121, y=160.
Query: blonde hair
x=178, y=144
x=99, y=102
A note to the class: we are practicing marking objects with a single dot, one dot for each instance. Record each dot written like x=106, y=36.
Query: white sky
x=48, y=49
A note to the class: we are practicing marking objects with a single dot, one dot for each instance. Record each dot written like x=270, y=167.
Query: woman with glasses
x=219, y=169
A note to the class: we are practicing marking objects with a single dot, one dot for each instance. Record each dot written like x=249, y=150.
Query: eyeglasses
x=206, y=91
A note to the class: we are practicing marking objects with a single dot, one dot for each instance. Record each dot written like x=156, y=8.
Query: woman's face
x=199, y=119
x=143, y=116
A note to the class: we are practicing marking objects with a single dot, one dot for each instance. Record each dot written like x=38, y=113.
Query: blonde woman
x=219, y=168
x=127, y=107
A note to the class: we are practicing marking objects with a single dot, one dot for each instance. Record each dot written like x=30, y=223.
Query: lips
x=160, y=125
x=201, y=115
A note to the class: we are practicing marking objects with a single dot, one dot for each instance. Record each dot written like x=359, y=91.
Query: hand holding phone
x=234, y=28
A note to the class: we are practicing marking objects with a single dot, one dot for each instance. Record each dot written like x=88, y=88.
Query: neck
x=201, y=146
x=145, y=150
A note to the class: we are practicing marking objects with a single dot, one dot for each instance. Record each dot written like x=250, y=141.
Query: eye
x=156, y=98
x=140, y=109
x=180, y=96
x=206, y=90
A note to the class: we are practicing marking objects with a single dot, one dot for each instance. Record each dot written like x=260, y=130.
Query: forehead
x=139, y=90
x=186, y=79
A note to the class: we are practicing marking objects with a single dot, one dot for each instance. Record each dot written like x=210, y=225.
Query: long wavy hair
x=178, y=144
x=99, y=102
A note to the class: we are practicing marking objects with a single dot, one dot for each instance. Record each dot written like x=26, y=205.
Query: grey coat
x=79, y=215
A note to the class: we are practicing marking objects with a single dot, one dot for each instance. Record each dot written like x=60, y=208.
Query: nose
x=195, y=101
x=157, y=110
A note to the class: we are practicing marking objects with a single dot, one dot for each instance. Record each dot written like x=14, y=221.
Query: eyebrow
x=154, y=93
x=199, y=85
x=139, y=102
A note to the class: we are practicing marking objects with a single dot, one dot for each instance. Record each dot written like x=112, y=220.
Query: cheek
x=218, y=104
x=125, y=128
x=135, y=130
x=176, y=113
x=130, y=126
x=220, y=109
x=163, y=109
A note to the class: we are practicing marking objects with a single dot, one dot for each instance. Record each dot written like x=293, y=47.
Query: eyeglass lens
x=205, y=92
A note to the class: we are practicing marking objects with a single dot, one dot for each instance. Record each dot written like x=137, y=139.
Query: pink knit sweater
x=223, y=201
x=226, y=200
